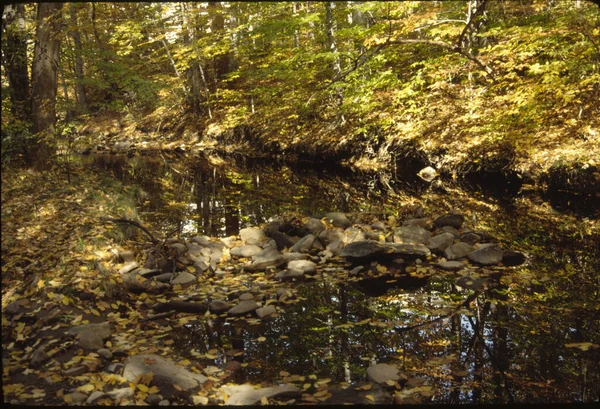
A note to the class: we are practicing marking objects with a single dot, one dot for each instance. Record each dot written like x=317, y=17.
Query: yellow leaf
x=191, y=269
x=40, y=284
x=86, y=388
x=68, y=399
x=261, y=339
x=584, y=346
x=370, y=397
x=114, y=306
x=142, y=387
x=264, y=400
x=179, y=388
x=95, y=312
x=155, y=390
x=364, y=387
x=65, y=300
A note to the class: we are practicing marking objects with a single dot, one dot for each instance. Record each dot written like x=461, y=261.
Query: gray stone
x=453, y=219
x=201, y=265
x=315, y=226
x=165, y=277
x=379, y=226
x=194, y=249
x=295, y=256
x=127, y=256
x=451, y=265
x=352, y=234
x=179, y=248
x=153, y=399
x=123, y=393
x=229, y=242
x=331, y=235
x=304, y=244
x=201, y=240
x=76, y=397
x=381, y=373
x=439, y=243
x=114, y=368
x=427, y=174
x=252, y=235
x=458, y=250
x=246, y=296
x=105, y=353
x=38, y=357
x=91, y=336
x=148, y=273
x=247, y=251
x=163, y=370
x=306, y=266
x=243, y=308
x=219, y=307
x=247, y=395
x=422, y=222
x=132, y=265
x=449, y=229
x=338, y=219
x=411, y=234
x=288, y=275
x=184, y=278
x=362, y=249
x=94, y=396
x=410, y=250
x=265, y=312
x=487, y=254
x=164, y=402
x=75, y=371
x=470, y=238
x=335, y=247
x=283, y=240
x=266, y=258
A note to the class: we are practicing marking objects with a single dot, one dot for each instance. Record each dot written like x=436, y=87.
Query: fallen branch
x=132, y=222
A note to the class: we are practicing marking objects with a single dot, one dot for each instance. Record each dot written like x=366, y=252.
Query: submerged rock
x=439, y=243
x=243, y=308
x=362, y=249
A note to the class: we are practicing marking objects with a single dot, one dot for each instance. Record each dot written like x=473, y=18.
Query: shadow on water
x=531, y=335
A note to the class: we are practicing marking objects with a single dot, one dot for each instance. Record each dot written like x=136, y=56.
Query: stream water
x=533, y=337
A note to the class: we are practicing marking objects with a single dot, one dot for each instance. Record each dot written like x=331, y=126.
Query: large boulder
x=362, y=249
x=269, y=257
x=453, y=219
x=487, y=254
x=439, y=243
x=252, y=235
x=338, y=219
x=411, y=234
x=247, y=251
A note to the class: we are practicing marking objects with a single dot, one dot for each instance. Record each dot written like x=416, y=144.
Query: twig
x=133, y=222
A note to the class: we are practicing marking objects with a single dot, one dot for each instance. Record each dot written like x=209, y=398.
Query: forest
x=300, y=202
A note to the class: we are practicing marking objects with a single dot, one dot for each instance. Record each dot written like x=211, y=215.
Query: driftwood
x=132, y=222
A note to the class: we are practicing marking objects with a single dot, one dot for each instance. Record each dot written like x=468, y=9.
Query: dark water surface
x=533, y=335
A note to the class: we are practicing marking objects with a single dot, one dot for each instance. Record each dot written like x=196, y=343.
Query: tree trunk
x=44, y=79
x=16, y=60
x=81, y=95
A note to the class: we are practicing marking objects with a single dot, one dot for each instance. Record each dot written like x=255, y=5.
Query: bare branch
x=133, y=222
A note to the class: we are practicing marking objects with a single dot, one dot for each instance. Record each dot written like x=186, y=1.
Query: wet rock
x=379, y=226
x=75, y=371
x=166, y=372
x=94, y=396
x=39, y=357
x=201, y=240
x=127, y=256
x=252, y=235
x=132, y=265
x=427, y=174
x=165, y=277
x=411, y=234
x=470, y=238
x=115, y=368
x=121, y=394
x=247, y=395
x=408, y=250
x=449, y=229
x=451, y=265
x=265, y=312
x=243, y=308
x=283, y=240
x=184, y=279
x=315, y=226
x=458, y=250
x=306, y=266
x=381, y=373
x=219, y=307
x=352, y=234
x=304, y=244
x=454, y=219
x=439, y=243
x=331, y=235
x=153, y=399
x=295, y=256
x=266, y=258
x=288, y=275
x=246, y=296
x=247, y=251
x=194, y=250
x=179, y=248
x=91, y=336
x=362, y=249
x=487, y=254
x=422, y=222
x=472, y=282
x=512, y=258
x=75, y=398
x=105, y=353
x=338, y=219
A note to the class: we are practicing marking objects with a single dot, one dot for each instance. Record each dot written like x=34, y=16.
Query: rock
x=265, y=312
x=229, y=242
x=94, y=396
x=14, y=307
x=381, y=373
x=451, y=265
x=306, y=266
x=252, y=235
x=246, y=296
x=427, y=174
x=219, y=307
x=379, y=226
x=454, y=219
x=165, y=277
x=487, y=254
x=338, y=219
x=243, y=308
x=148, y=273
x=416, y=222
x=354, y=234
x=362, y=249
x=295, y=256
x=120, y=394
x=315, y=226
x=201, y=240
x=153, y=399
x=76, y=370
x=114, y=368
x=409, y=250
x=411, y=234
x=166, y=373
x=304, y=244
x=335, y=247
x=247, y=395
x=91, y=336
x=201, y=265
x=470, y=238
x=439, y=243
x=184, y=279
x=266, y=258
x=449, y=229
x=164, y=402
x=247, y=251
x=458, y=250
x=127, y=256
x=512, y=258
x=272, y=227
x=105, y=353
x=132, y=265
x=194, y=250
x=287, y=275
x=179, y=248
x=75, y=398
x=329, y=236
x=283, y=240
x=372, y=235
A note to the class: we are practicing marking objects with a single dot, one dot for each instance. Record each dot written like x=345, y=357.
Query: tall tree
x=15, y=55
x=44, y=79
x=81, y=94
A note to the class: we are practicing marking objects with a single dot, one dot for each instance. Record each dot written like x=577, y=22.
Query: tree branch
x=133, y=222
